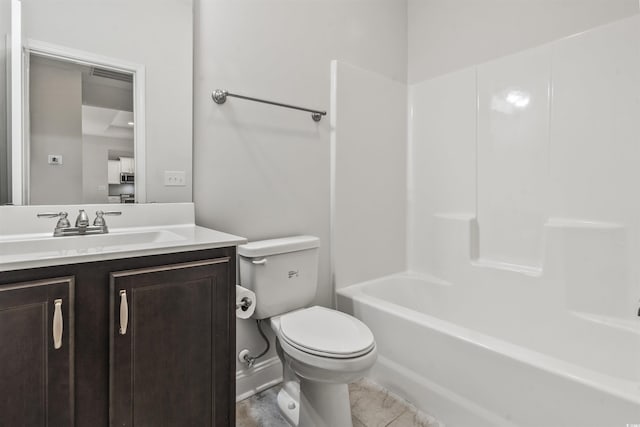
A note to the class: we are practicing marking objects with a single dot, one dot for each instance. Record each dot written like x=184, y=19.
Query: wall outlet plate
x=175, y=179
x=54, y=159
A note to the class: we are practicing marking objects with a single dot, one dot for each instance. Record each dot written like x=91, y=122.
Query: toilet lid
x=325, y=332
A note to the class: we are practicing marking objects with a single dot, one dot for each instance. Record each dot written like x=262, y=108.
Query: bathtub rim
x=624, y=389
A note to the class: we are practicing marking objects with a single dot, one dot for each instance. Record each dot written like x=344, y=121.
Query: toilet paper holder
x=244, y=304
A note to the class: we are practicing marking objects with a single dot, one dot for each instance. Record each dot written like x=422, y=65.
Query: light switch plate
x=174, y=179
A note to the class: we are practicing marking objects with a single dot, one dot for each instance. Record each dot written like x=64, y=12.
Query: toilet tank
x=283, y=273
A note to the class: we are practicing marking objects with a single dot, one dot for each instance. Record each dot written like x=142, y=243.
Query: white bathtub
x=472, y=361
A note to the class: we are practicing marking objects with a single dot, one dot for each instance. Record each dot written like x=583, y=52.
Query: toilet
x=322, y=350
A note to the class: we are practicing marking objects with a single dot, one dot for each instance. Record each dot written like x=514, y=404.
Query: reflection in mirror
x=153, y=39
x=81, y=145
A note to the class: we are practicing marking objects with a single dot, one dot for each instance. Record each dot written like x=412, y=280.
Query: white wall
x=55, y=101
x=446, y=35
x=262, y=171
x=524, y=169
x=156, y=33
x=369, y=177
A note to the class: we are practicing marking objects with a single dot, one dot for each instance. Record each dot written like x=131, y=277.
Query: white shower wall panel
x=595, y=130
x=442, y=153
x=596, y=124
x=513, y=153
x=524, y=170
x=369, y=181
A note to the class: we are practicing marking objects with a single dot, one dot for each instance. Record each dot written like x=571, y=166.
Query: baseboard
x=261, y=376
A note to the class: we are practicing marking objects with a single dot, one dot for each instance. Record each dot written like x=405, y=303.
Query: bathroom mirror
x=142, y=48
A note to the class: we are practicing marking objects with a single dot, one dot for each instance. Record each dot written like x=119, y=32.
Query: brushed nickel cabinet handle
x=58, y=325
x=124, y=312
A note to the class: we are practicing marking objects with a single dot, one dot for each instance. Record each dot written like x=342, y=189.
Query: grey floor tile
x=260, y=410
x=371, y=406
x=411, y=418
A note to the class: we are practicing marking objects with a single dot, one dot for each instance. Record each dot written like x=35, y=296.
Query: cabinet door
x=36, y=350
x=113, y=171
x=127, y=165
x=170, y=345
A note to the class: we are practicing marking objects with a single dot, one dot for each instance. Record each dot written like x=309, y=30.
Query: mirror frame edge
x=17, y=195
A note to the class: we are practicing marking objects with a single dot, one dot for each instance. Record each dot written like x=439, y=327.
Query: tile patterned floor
x=371, y=406
x=260, y=410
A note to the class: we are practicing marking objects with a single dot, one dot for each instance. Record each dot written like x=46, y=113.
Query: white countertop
x=23, y=250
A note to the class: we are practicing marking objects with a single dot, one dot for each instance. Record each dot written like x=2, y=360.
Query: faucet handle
x=51, y=214
x=99, y=221
x=83, y=219
x=63, y=222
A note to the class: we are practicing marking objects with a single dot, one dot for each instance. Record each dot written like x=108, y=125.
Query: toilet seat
x=326, y=333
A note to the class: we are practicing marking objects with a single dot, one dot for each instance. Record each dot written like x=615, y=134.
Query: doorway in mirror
x=81, y=132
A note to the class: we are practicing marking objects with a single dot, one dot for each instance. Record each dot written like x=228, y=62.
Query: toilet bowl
x=322, y=350
x=325, y=350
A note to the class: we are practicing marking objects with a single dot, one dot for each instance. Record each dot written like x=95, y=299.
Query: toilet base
x=288, y=401
x=315, y=404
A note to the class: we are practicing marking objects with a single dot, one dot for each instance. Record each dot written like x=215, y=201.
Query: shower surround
x=520, y=307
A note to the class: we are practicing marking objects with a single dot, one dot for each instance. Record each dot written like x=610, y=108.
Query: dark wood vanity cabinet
x=36, y=353
x=149, y=341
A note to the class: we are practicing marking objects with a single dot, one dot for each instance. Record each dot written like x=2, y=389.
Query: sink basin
x=143, y=230
x=56, y=246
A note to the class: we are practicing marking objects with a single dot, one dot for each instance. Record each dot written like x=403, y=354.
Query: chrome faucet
x=83, y=219
x=82, y=227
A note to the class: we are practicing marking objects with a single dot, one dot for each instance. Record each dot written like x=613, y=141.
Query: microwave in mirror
x=126, y=178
